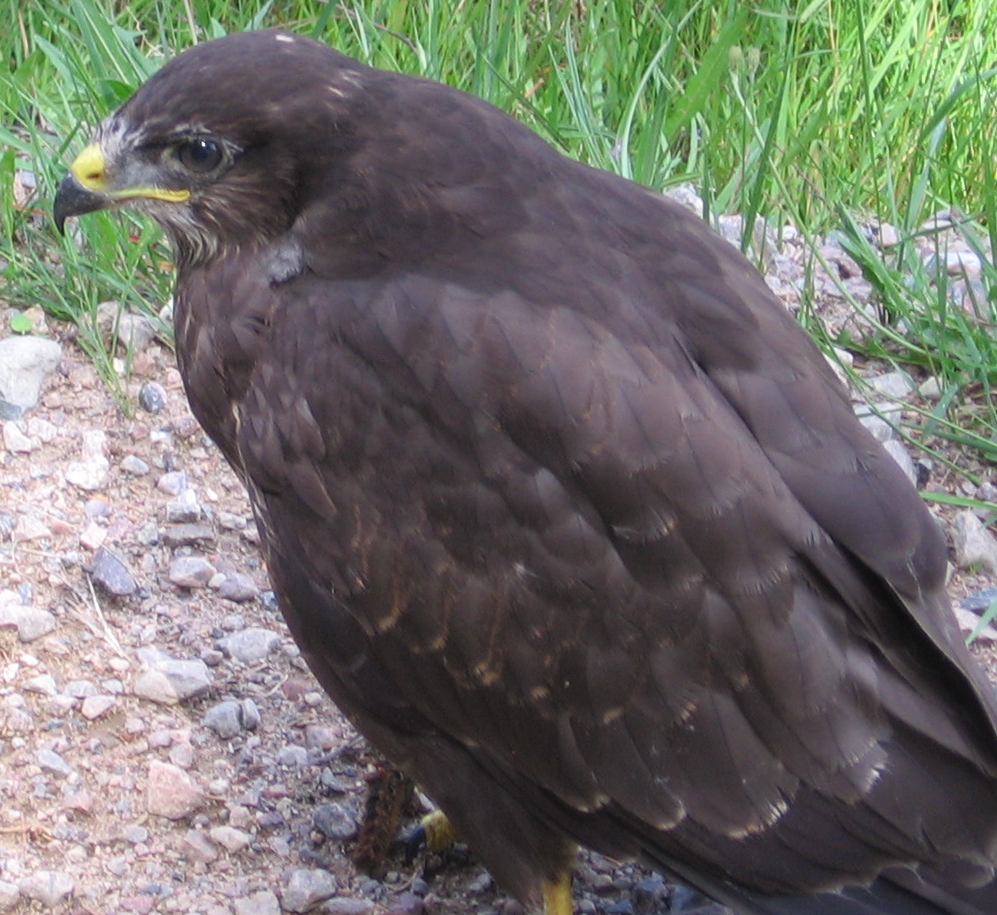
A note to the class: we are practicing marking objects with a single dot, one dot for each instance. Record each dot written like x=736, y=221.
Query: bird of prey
x=564, y=509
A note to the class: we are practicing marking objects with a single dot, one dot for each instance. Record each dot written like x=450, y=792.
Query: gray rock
x=135, y=833
x=110, y=573
x=172, y=483
x=231, y=521
x=973, y=544
x=133, y=464
x=31, y=623
x=50, y=888
x=198, y=847
x=14, y=438
x=292, y=756
x=307, y=888
x=250, y=644
x=136, y=332
x=262, y=903
x=95, y=706
x=239, y=588
x=89, y=474
x=171, y=681
x=51, y=762
x=224, y=719
x=191, y=571
x=43, y=684
x=189, y=678
x=155, y=686
x=171, y=792
x=24, y=364
x=335, y=821
x=898, y=451
x=187, y=534
x=152, y=397
x=893, y=384
x=347, y=905
x=185, y=510
x=80, y=689
x=231, y=839
x=249, y=714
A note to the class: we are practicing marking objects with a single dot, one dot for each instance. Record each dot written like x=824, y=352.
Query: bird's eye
x=199, y=155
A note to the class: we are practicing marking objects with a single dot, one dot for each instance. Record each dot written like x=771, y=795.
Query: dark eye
x=199, y=155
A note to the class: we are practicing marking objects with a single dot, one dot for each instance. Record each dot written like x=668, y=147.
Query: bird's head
x=221, y=145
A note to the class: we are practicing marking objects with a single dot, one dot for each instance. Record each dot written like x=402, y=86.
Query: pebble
x=134, y=465
x=89, y=474
x=238, y=588
x=10, y=896
x=185, y=510
x=135, y=833
x=406, y=904
x=14, y=439
x=896, y=450
x=152, y=397
x=250, y=644
x=321, y=737
x=224, y=719
x=31, y=622
x=95, y=706
x=974, y=546
x=893, y=384
x=25, y=362
x=43, y=684
x=199, y=847
x=335, y=821
x=110, y=573
x=171, y=792
x=231, y=839
x=307, y=888
x=135, y=332
x=187, y=534
x=50, y=888
x=347, y=905
x=262, y=903
x=51, y=762
x=172, y=483
x=191, y=571
x=249, y=714
x=172, y=681
x=292, y=756
x=231, y=521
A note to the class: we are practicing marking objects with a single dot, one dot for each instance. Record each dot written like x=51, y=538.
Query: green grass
x=821, y=114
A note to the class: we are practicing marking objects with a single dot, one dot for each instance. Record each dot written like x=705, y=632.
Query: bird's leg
x=557, y=895
x=435, y=832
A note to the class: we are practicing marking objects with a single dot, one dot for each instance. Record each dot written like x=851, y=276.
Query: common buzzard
x=564, y=509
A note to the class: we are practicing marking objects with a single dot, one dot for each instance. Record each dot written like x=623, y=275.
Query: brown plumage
x=564, y=509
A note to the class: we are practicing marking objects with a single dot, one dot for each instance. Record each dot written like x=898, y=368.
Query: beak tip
x=72, y=199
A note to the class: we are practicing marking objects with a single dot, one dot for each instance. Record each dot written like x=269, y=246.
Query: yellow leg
x=438, y=830
x=557, y=895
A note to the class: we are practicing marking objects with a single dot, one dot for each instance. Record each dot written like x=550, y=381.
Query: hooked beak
x=86, y=189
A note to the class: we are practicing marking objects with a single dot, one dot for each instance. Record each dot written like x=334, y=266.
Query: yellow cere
x=89, y=170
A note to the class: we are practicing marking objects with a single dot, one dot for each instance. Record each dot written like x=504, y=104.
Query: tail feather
x=900, y=891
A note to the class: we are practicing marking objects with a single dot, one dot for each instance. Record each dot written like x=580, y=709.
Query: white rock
x=24, y=364
x=973, y=544
x=306, y=888
x=50, y=888
x=14, y=439
x=89, y=474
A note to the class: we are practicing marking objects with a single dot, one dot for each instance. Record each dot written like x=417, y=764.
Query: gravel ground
x=164, y=749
